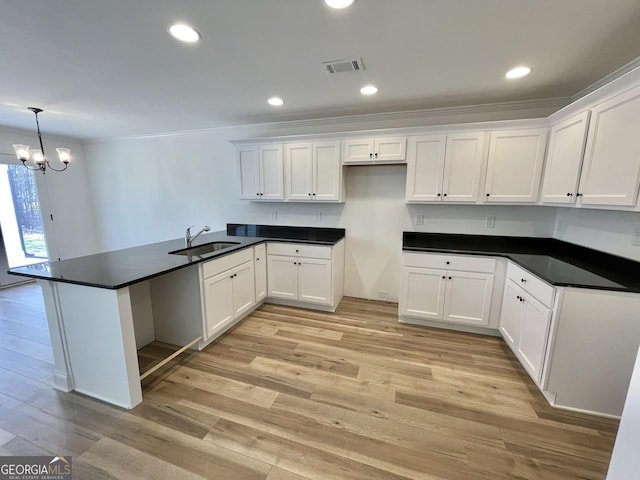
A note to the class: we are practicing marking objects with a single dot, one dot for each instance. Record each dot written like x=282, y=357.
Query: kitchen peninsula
x=102, y=308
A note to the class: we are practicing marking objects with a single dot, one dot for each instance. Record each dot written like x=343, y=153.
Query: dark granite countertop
x=557, y=262
x=121, y=268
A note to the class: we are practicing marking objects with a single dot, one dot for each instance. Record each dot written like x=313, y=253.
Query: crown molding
x=411, y=118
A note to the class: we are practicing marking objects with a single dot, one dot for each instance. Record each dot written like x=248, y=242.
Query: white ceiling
x=102, y=68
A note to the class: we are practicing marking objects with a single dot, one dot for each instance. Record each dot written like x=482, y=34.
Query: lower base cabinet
x=228, y=291
x=305, y=274
x=525, y=324
x=447, y=295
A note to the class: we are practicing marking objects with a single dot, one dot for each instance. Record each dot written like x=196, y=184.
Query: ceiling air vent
x=346, y=65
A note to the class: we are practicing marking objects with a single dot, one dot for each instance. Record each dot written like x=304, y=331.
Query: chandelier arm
x=24, y=164
x=56, y=169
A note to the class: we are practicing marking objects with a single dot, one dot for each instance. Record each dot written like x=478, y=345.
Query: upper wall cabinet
x=313, y=172
x=514, y=165
x=375, y=150
x=564, y=160
x=261, y=172
x=445, y=168
x=611, y=169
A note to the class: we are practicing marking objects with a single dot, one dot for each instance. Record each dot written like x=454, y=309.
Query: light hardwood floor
x=293, y=394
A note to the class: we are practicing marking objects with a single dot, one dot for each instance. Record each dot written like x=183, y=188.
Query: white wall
x=607, y=230
x=150, y=189
x=66, y=195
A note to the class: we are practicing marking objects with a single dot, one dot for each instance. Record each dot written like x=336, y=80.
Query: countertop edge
x=533, y=271
x=247, y=242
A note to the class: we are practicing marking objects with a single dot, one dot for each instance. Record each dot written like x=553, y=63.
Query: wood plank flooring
x=294, y=394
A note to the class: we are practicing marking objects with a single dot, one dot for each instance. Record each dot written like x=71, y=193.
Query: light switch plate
x=490, y=222
x=420, y=219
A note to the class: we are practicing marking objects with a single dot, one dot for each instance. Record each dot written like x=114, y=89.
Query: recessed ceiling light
x=369, y=90
x=184, y=33
x=275, y=101
x=518, y=72
x=338, y=3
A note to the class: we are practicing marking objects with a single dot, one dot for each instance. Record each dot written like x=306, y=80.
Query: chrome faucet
x=189, y=239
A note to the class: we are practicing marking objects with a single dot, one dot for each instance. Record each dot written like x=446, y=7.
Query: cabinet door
x=463, y=167
x=260, y=263
x=271, y=172
x=422, y=293
x=282, y=274
x=468, y=297
x=249, y=171
x=314, y=280
x=425, y=168
x=515, y=165
x=534, y=335
x=218, y=302
x=390, y=149
x=564, y=160
x=358, y=151
x=327, y=172
x=611, y=169
x=512, y=315
x=244, y=288
x=298, y=168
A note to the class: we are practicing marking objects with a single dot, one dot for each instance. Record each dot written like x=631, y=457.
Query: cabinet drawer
x=449, y=262
x=219, y=265
x=299, y=250
x=531, y=284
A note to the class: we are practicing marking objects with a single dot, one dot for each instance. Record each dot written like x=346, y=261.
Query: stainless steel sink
x=204, y=249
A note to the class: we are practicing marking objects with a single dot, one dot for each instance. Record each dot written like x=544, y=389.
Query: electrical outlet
x=274, y=215
x=318, y=216
x=490, y=222
x=420, y=219
x=635, y=239
x=382, y=295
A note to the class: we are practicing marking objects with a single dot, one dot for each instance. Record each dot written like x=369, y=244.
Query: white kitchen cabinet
x=300, y=278
x=611, y=171
x=459, y=293
x=564, y=160
x=228, y=291
x=260, y=266
x=303, y=274
x=375, y=150
x=514, y=165
x=445, y=168
x=261, y=172
x=526, y=319
x=313, y=172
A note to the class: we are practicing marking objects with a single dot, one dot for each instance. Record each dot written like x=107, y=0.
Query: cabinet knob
x=295, y=263
x=309, y=194
x=523, y=280
x=371, y=155
x=297, y=251
x=438, y=194
x=578, y=194
x=376, y=155
x=449, y=278
x=230, y=276
x=488, y=194
x=569, y=194
x=445, y=195
x=448, y=262
x=258, y=259
x=313, y=194
x=522, y=299
x=443, y=277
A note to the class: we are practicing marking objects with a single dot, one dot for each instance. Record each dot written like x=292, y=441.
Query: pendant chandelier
x=24, y=152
